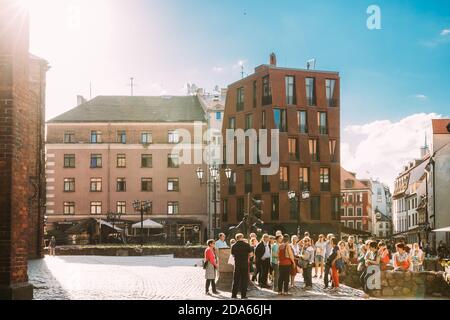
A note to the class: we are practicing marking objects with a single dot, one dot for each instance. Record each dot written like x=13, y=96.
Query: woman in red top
x=210, y=266
x=383, y=252
x=285, y=263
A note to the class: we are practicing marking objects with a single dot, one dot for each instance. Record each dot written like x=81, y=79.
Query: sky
x=393, y=79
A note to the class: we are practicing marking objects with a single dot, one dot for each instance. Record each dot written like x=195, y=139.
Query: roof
x=147, y=224
x=441, y=126
x=345, y=175
x=135, y=109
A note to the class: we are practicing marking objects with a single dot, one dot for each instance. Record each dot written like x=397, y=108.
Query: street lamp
x=214, y=173
x=143, y=206
x=296, y=200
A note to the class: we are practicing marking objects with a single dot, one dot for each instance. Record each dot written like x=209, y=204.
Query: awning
x=147, y=224
x=446, y=229
x=103, y=222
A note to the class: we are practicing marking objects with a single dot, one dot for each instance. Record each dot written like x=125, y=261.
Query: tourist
x=221, y=243
x=262, y=259
x=372, y=258
x=241, y=252
x=278, y=233
x=306, y=235
x=328, y=251
x=332, y=259
x=296, y=251
x=352, y=250
x=274, y=261
x=417, y=258
x=385, y=255
x=210, y=266
x=319, y=255
x=359, y=246
x=401, y=258
x=307, y=258
x=345, y=256
x=253, y=269
x=52, y=246
x=285, y=263
x=252, y=235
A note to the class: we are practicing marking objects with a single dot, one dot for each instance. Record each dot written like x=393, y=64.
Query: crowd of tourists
x=273, y=262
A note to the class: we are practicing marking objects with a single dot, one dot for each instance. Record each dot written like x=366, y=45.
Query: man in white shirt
x=221, y=243
x=262, y=256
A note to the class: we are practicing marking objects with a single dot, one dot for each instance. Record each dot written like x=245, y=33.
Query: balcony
x=266, y=187
x=284, y=185
x=323, y=130
x=311, y=101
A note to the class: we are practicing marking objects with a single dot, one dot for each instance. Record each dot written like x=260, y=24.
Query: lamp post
x=296, y=200
x=214, y=173
x=143, y=206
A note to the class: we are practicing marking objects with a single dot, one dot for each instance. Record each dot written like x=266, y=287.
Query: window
x=96, y=207
x=350, y=211
x=231, y=123
x=173, y=161
x=173, y=137
x=96, y=136
x=303, y=178
x=302, y=121
x=69, y=161
x=96, y=185
x=173, y=184
x=359, y=226
x=248, y=181
x=224, y=210
x=254, y=93
x=121, y=185
x=121, y=136
x=146, y=184
x=351, y=224
x=248, y=121
x=240, y=209
x=315, y=208
x=275, y=210
x=322, y=122
x=284, y=178
x=69, y=137
x=146, y=137
x=240, y=99
x=290, y=90
x=69, y=208
x=359, y=212
x=172, y=207
x=146, y=161
x=121, y=161
x=358, y=198
x=349, y=184
x=293, y=150
x=96, y=160
x=329, y=88
x=267, y=91
x=324, y=179
x=335, y=208
x=265, y=184
x=280, y=120
x=69, y=184
x=218, y=115
x=332, y=145
x=232, y=184
x=313, y=149
x=310, y=91
x=343, y=214
x=121, y=207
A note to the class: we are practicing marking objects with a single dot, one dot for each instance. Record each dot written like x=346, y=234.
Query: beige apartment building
x=110, y=151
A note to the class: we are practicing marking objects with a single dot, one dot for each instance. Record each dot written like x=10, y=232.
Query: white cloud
x=379, y=149
x=217, y=69
x=419, y=96
x=445, y=32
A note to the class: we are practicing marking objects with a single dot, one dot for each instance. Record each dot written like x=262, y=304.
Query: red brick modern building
x=22, y=186
x=304, y=106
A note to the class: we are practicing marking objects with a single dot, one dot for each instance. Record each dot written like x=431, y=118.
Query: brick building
x=304, y=106
x=356, y=210
x=109, y=151
x=22, y=191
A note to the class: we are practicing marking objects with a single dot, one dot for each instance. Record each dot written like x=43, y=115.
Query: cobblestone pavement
x=149, y=277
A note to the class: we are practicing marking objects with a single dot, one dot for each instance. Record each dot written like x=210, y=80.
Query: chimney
x=273, y=60
x=80, y=100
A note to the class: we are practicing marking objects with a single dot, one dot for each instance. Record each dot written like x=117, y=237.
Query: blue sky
x=387, y=75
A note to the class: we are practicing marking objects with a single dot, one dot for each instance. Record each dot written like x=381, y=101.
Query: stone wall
x=403, y=284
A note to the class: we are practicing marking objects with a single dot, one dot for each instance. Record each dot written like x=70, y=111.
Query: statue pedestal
x=225, y=270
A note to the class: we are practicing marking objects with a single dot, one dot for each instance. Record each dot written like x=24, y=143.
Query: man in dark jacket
x=241, y=252
x=262, y=259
